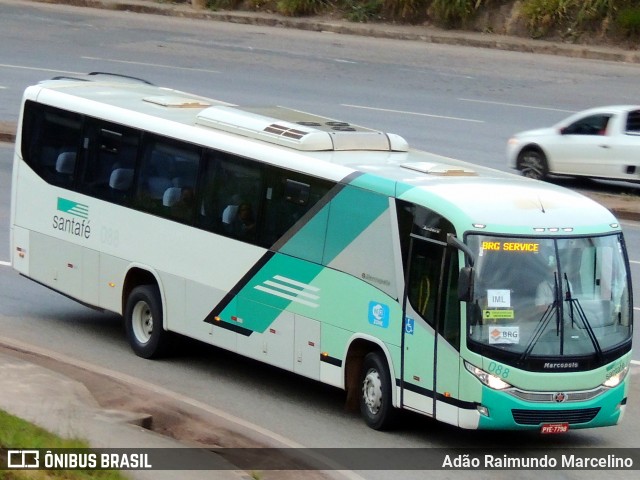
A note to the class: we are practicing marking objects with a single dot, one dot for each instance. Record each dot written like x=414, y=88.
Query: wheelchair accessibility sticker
x=408, y=326
x=378, y=314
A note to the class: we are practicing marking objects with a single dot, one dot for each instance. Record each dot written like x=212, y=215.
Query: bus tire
x=376, y=404
x=143, y=322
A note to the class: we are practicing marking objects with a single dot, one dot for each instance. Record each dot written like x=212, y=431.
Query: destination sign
x=511, y=246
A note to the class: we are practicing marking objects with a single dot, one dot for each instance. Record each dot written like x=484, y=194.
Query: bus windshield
x=549, y=299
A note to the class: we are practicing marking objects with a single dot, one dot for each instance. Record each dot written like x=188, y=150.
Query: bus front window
x=542, y=301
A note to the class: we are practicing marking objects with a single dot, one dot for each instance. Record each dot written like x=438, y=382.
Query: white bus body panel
x=72, y=264
x=20, y=249
x=275, y=345
x=307, y=347
x=112, y=274
x=418, y=402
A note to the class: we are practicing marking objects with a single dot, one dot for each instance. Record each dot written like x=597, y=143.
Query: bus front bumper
x=502, y=411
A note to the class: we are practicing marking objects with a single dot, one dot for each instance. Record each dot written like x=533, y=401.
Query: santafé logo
x=72, y=217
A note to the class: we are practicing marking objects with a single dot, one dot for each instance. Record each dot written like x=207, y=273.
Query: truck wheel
x=533, y=164
x=375, y=393
x=143, y=322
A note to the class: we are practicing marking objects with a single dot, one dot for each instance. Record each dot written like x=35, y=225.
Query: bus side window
x=425, y=289
x=424, y=282
x=179, y=199
x=230, y=202
x=288, y=197
x=50, y=143
x=154, y=179
x=168, y=177
x=241, y=200
x=110, y=161
x=208, y=208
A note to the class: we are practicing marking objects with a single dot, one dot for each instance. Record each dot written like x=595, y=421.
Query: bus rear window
x=50, y=142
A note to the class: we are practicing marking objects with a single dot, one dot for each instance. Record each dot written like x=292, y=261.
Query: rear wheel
x=375, y=392
x=143, y=321
x=533, y=164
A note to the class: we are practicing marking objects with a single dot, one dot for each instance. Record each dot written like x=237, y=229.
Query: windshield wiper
x=544, y=321
x=574, y=303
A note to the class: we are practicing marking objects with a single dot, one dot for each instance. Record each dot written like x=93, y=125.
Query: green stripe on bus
x=363, y=208
x=285, y=281
x=358, y=210
x=73, y=208
x=282, y=281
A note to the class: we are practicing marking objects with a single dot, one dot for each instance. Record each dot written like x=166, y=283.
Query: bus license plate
x=554, y=428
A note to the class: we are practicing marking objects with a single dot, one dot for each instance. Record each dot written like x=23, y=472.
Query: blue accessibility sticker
x=409, y=325
x=379, y=314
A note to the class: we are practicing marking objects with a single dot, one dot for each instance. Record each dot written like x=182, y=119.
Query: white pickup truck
x=601, y=142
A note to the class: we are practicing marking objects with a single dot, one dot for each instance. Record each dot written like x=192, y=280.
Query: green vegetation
x=362, y=11
x=453, y=13
x=628, y=21
x=296, y=8
x=16, y=433
x=223, y=4
x=407, y=11
x=577, y=17
x=565, y=19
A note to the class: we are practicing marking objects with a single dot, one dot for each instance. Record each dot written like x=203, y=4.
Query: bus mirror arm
x=453, y=241
x=465, y=280
x=465, y=284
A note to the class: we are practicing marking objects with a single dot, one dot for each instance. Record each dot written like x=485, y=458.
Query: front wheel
x=375, y=392
x=533, y=164
x=143, y=321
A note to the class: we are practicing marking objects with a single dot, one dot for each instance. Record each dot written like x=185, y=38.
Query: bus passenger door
x=430, y=338
x=420, y=310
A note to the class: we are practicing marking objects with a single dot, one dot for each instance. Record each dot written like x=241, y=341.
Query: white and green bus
x=410, y=280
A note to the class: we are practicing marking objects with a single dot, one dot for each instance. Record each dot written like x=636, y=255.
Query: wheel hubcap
x=142, y=322
x=532, y=166
x=372, y=391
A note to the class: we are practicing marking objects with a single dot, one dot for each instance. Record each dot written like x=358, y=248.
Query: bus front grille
x=536, y=417
x=550, y=397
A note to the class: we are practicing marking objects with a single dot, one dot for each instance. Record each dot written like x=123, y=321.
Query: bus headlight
x=490, y=380
x=615, y=380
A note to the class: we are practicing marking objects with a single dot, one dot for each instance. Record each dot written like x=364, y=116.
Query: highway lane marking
x=156, y=65
x=405, y=112
x=38, y=69
x=516, y=105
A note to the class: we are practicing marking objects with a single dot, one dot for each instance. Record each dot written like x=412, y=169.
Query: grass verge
x=16, y=433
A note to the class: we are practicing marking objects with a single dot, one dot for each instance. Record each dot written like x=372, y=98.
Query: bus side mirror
x=465, y=284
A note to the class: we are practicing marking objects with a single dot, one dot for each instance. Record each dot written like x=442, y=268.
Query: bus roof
x=488, y=198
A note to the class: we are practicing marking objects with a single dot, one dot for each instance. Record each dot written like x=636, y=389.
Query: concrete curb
x=427, y=34
x=71, y=411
